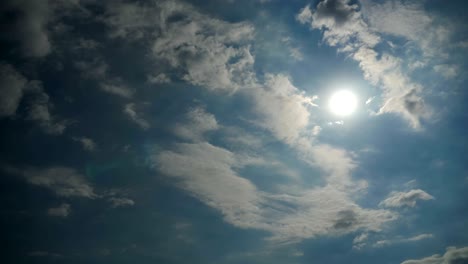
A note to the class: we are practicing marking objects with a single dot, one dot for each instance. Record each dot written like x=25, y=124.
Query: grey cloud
x=12, y=86
x=401, y=199
x=452, y=255
x=62, y=181
x=28, y=26
x=121, y=202
x=39, y=111
x=117, y=88
x=87, y=143
x=338, y=10
x=62, y=210
x=131, y=112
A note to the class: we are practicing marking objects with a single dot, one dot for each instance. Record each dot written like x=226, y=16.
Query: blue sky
x=202, y=131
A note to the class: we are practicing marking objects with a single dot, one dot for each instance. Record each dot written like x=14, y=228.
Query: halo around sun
x=343, y=103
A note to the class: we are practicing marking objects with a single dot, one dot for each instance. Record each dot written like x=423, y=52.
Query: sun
x=343, y=103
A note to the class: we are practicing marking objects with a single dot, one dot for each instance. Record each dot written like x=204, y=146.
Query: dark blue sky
x=203, y=131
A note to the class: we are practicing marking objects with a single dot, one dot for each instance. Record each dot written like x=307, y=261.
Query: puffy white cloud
x=62, y=210
x=130, y=111
x=452, y=255
x=401, y=199
x=12, y=86
x=197, y=123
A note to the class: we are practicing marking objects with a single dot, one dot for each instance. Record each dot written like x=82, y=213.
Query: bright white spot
x=343, y=103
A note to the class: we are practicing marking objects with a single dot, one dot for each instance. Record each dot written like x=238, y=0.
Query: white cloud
x=211, y=53
x=12, y=86
x=62, y=210
x=209, y=173
x=87, y=143
x=62, y=181
x=130, y=111
x=409, y=199
x=387, y=242
x=452, y=255
x=360, y=241
x=197, y=122
x=281, y=107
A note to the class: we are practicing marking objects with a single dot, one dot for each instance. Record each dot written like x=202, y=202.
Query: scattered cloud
x=452, y=255
x=409, y=199
x=62, y=210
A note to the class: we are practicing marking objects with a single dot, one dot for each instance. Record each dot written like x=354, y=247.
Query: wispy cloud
x=452, y=255
x=409, y=199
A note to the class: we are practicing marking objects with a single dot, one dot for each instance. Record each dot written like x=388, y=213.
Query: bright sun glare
x=343, y=103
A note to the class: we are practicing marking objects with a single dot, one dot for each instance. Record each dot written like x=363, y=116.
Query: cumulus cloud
x=62, y=210
x=197, y=122
x=211, y=53
x=28, y=26
x=409, y=199
x=131, y=112
x=157, y=79
x=344, y=26
x=452, y=255
x=63, y=181
x=12, y=86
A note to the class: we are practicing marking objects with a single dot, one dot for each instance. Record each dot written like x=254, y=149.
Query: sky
x=193, y=131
